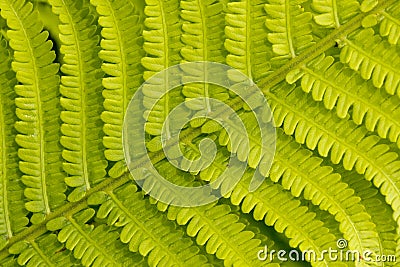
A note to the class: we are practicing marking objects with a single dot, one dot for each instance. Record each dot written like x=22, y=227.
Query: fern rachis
x=81, y=215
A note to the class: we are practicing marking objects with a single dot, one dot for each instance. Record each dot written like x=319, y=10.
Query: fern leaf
x=303, y=174
x=81, y=95
x=329, y=81
x=327, y=218
x=221, y=232
x=304, y=120
x=13, y=215
x=374, y=58
x=290, y=27
x=390, y=24
x=121, y=53
x=245, y=38
x=380, y=212
x=318, y=129
x=368, y=5
x=9, y=262
x=334, y=13
x=161, y=243
x=277, y=208
x=43, y=251
x=202, y=39
x=94, y=246
x=162, y=45
x=37, y=108
x=241, y=191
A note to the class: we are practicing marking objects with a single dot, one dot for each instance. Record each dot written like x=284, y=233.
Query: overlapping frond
x=261, y=198
x=37, y=108
x=327, y=218
x=81, y=97
x=13, y=215
x=343, y=90
x=303, y=174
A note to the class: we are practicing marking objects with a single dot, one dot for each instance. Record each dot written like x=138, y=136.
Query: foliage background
x=330, y=70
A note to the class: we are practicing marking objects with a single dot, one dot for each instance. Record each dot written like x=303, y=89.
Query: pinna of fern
x=81, y=92
x=347, y=130
x=37, y=108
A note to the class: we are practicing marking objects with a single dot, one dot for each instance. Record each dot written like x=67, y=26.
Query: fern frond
x=43, y=251
x=326, y=217
x=301, y=173
x=349, y=143
x=13, y=215
x=245, y=38
x=210, y=224
x=162, y=45
x=390, y=24
x=340, y=87
x=93, y=245
x=381, y=213
x=322, y=130
x=277, y=208
x=81, y=97
x=121, y=53
x=146, y=230
x=290, y=27
x=202, y=38
x=216, y=227
x=374, y=58
x=334, y=13
x=258, y=155
x=37, y=108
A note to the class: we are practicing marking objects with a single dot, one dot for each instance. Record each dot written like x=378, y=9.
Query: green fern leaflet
x=328, y=69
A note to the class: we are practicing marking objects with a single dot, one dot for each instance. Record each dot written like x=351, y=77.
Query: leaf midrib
x=40, y=253
x=272, y=79
x=370, y=56
x=289, y=29
x=332, y=199
x=283, y=216
x=4, y=178
x=143, y=228
x=81, y=86
x=39, y=125
x=89, y=239
x=353, y=95
x=265, y=82
x=351, y=147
